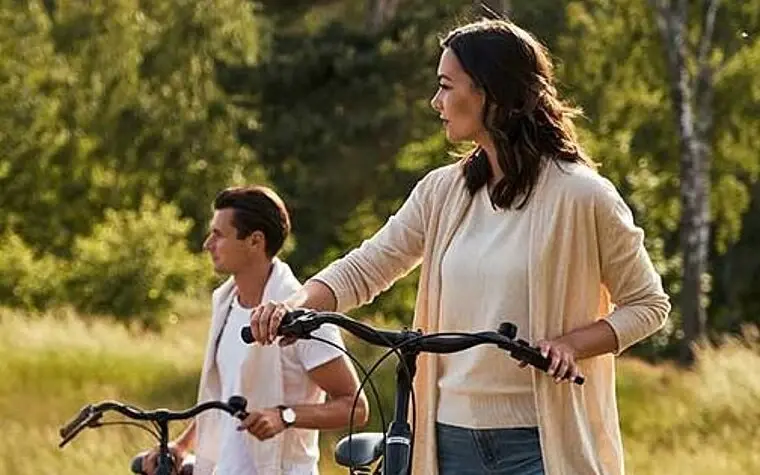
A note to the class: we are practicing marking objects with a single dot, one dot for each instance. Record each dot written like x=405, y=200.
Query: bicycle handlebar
x=300, y=323
x=89, y=416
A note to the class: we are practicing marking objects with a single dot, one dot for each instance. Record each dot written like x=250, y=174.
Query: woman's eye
x=444, y=87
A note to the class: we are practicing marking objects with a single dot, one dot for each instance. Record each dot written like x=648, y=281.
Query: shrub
x=28, y=280
x=134, y=263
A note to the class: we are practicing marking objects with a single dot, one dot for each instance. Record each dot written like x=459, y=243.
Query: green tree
x=107, y=101
x=335, y=106
x=614, y=66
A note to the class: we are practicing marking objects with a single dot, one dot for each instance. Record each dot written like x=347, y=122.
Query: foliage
x=335, y=106
x=134, y=262
x=29, y=281
x=612, y=64
x=106, y=101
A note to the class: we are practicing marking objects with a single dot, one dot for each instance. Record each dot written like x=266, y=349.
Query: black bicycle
x=91, y=416
x=390, y=452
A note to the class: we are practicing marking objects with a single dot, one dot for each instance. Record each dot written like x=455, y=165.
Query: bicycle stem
x=398, y=443
x=165, y=461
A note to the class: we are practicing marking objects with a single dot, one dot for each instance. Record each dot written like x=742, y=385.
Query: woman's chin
x=455, y=136
x=452, y=136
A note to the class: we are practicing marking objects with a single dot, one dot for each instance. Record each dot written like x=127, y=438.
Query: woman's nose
x=435, y=102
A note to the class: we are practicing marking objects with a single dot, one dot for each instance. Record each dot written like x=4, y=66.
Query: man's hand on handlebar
x=150, y=460
x=263, y=424
x=265, y=321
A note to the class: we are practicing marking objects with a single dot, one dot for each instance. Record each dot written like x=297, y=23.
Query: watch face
x=288, y=415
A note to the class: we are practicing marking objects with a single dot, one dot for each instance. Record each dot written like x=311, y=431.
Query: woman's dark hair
x=257, y=208
x=522, y=113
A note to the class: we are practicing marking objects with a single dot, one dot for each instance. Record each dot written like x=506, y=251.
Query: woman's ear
x=492, y=114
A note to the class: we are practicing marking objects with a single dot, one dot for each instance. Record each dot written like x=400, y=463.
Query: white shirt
x=230, y=354
x=297, y=360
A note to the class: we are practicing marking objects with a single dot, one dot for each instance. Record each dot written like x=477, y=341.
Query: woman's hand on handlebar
x=563, y=366
x=265, y=321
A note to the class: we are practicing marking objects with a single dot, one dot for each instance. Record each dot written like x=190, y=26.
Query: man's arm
x=339, y=380
x=186, y=440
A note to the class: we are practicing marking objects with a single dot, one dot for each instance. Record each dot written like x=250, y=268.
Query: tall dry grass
x=700, y=422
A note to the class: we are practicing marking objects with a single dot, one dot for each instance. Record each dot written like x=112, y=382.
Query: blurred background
x=121, y=119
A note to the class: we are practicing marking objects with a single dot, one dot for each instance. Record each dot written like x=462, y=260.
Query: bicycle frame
x=408, y=345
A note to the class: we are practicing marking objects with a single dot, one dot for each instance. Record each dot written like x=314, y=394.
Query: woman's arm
x=627, y=272
x=363, y=273
x=315, y=295
x=634, y=285
x=591, y=340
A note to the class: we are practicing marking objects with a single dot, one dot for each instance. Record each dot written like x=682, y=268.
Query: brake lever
x=84, y=413
x=300, y=327
x=92, y=420
x=289, y=326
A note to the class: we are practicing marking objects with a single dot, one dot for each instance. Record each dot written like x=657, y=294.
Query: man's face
x=228, y=253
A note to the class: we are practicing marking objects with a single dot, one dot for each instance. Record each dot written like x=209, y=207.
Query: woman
x=522, y=229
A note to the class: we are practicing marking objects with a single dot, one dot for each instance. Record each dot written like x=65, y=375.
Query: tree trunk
x=692, y=102
x=379, y=12
x=502, y=8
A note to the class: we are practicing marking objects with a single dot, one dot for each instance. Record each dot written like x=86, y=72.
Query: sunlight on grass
x=55, y=364
x=697, y=423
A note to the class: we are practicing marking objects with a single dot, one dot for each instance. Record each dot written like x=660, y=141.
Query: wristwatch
x=288, y=415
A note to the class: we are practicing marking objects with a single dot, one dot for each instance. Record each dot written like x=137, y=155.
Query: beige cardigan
x=584, y=253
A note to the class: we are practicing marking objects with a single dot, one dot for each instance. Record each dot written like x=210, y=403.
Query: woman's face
x=458, y=101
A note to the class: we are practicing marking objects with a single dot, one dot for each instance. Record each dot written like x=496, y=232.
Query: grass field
x=705, y=421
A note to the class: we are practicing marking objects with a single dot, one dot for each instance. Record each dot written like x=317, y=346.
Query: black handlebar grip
x=532, y=355
x=508, y=329
x=239, y=403
x=247, y=335
x=83, y=414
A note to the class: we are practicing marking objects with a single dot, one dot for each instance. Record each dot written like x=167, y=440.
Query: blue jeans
x=492, y=451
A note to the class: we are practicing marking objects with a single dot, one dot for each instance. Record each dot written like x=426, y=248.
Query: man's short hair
x=257, y=208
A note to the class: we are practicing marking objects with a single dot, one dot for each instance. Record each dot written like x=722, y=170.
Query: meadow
x=698, y=422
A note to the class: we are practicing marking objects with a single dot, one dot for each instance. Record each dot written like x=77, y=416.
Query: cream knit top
x=484, y=283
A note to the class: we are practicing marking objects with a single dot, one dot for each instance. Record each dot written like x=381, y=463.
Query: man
x=285, y=385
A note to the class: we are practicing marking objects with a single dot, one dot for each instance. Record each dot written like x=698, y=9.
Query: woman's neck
x=493, y=161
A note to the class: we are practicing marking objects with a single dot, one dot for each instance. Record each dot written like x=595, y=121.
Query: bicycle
x=391, y=451
x=91, y=415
